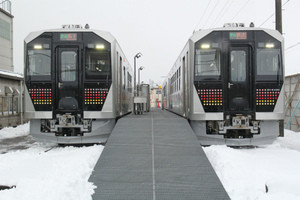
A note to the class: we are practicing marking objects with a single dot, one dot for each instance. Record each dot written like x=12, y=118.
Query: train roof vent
x=230, y=25
x=72, y=26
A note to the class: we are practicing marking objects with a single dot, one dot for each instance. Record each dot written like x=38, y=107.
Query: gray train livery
x=77, y=83
x=228, y=83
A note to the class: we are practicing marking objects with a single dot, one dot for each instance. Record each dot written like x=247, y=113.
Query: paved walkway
x=155, y=156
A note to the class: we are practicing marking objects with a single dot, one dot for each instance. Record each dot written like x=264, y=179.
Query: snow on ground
x=47, y=172
x=10, y=132
x=39, y=172
x=268, y=172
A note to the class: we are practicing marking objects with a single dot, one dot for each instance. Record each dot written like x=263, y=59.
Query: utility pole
x=278, y=11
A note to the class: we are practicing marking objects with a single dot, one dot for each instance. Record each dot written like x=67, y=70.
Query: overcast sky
x=158, y=29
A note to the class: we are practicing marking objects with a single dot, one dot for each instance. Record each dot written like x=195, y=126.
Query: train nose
x=68, y=103
x=239, y=104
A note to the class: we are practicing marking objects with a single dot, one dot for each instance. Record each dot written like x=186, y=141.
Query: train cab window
x=97, y=64
x=68, y=65
x=268, y=63
x=207, y=64
x=39, y=63
x=238, y=66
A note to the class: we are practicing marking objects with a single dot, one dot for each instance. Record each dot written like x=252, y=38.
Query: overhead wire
x=209, y=1
x=292, y=46
x=273, y=14
x=221, y=12
x=239, y=11
x=217, y=2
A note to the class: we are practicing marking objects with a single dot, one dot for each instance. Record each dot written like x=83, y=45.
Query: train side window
x=207, y=63
x=238, y=66
x=97, y=64
x=39, y=63
x=268, y=62
x=129, y=82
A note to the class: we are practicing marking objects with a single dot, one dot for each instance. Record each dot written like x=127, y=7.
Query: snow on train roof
x=104, y=34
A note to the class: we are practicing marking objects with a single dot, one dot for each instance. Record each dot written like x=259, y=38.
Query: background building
x=6, y=36
x=11, y=84
x=292, y=102
x=155, y=97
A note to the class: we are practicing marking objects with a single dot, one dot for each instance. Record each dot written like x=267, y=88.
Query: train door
x=183, y=86
x=239, y=80
x=186, y=85
x=119, y=85
x=67, y=76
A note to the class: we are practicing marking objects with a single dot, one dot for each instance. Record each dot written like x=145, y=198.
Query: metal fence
x=6, y=5
x=10, y=113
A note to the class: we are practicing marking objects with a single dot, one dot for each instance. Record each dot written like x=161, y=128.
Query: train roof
x=201, y=33
x=104, y=34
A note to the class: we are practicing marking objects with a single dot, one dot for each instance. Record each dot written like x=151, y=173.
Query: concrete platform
x=155, y=156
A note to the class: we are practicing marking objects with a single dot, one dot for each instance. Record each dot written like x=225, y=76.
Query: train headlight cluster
x=269, y=45
x=266, y=45
x=96, y=46
x=100, y=46
x=41, y=46
x=95, y=95
x=205, y=46
x=267, y=97
x=211, y=97
x=40, y=95
x=38, y=46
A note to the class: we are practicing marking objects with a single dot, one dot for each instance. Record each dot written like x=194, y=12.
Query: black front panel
x=95, y=96
x=238, y=72
x=238, y=87
x=67, y=90
x=38, y=76
x=269, y=73
x=67, y=71
x=266, y=97
x=211, y=96
x=41, y=96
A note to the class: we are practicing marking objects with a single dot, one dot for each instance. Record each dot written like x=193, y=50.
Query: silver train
x=77, y=83
x=229, y=83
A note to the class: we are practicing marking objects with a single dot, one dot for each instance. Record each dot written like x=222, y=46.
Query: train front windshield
x=97, y=64
x=268, y=63
x=207, y=63
x=39, y=63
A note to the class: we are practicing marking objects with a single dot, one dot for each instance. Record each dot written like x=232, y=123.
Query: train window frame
x=268, y=76
x=239, y=72
x=217, y=63
x=31, y=68
x=68, y=71
x=92, y=75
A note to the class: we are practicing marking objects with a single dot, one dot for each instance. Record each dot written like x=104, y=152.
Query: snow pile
x=268, y=172
x=61, y=173
x=10, y=132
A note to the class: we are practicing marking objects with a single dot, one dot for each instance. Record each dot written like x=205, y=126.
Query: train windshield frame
x=208, y=64
x=268, y=62
x=39, y=64
x=97, y=64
